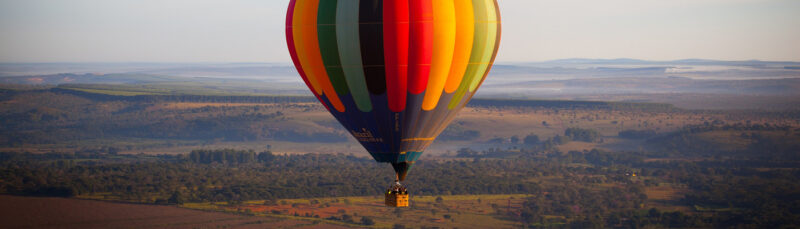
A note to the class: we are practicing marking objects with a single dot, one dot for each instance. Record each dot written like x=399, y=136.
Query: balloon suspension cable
x=401, y=169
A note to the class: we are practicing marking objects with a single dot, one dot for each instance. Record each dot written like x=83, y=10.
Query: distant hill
x=629, y=61
x=71, y=78
x=735, y=84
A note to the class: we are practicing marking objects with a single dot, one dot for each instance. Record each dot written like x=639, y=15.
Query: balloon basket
x=396, y=199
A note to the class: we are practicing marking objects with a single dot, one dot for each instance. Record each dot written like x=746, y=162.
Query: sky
x=533, y=30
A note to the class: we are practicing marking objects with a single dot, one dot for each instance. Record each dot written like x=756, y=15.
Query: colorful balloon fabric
x=393, y=72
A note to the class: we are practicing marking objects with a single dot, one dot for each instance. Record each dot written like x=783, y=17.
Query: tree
x=584, y=135
x=176, y=198
x=653, y=213
x=531, y=139
x=560, y=140
x=266, y=156
x=347, y=218
x=367, y=221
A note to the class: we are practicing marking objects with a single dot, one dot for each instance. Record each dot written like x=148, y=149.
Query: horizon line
x=497, y=62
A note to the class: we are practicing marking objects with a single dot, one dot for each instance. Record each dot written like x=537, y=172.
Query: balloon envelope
x=393, y=73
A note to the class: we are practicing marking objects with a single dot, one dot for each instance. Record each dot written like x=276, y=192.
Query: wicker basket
x=396, y=199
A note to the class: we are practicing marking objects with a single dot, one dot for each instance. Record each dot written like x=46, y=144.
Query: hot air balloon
x=394, y=73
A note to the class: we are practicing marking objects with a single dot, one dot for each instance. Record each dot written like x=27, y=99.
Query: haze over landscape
x=597, y=114
x=252, y=31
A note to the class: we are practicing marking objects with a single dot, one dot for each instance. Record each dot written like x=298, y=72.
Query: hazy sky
x=534, y=30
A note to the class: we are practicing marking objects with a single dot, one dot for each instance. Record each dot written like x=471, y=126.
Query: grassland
x=461, y=211
x=74, y=113
x=304, y=115
x=450, y=211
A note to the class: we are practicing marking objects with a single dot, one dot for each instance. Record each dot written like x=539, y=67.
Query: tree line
x=593, y=188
